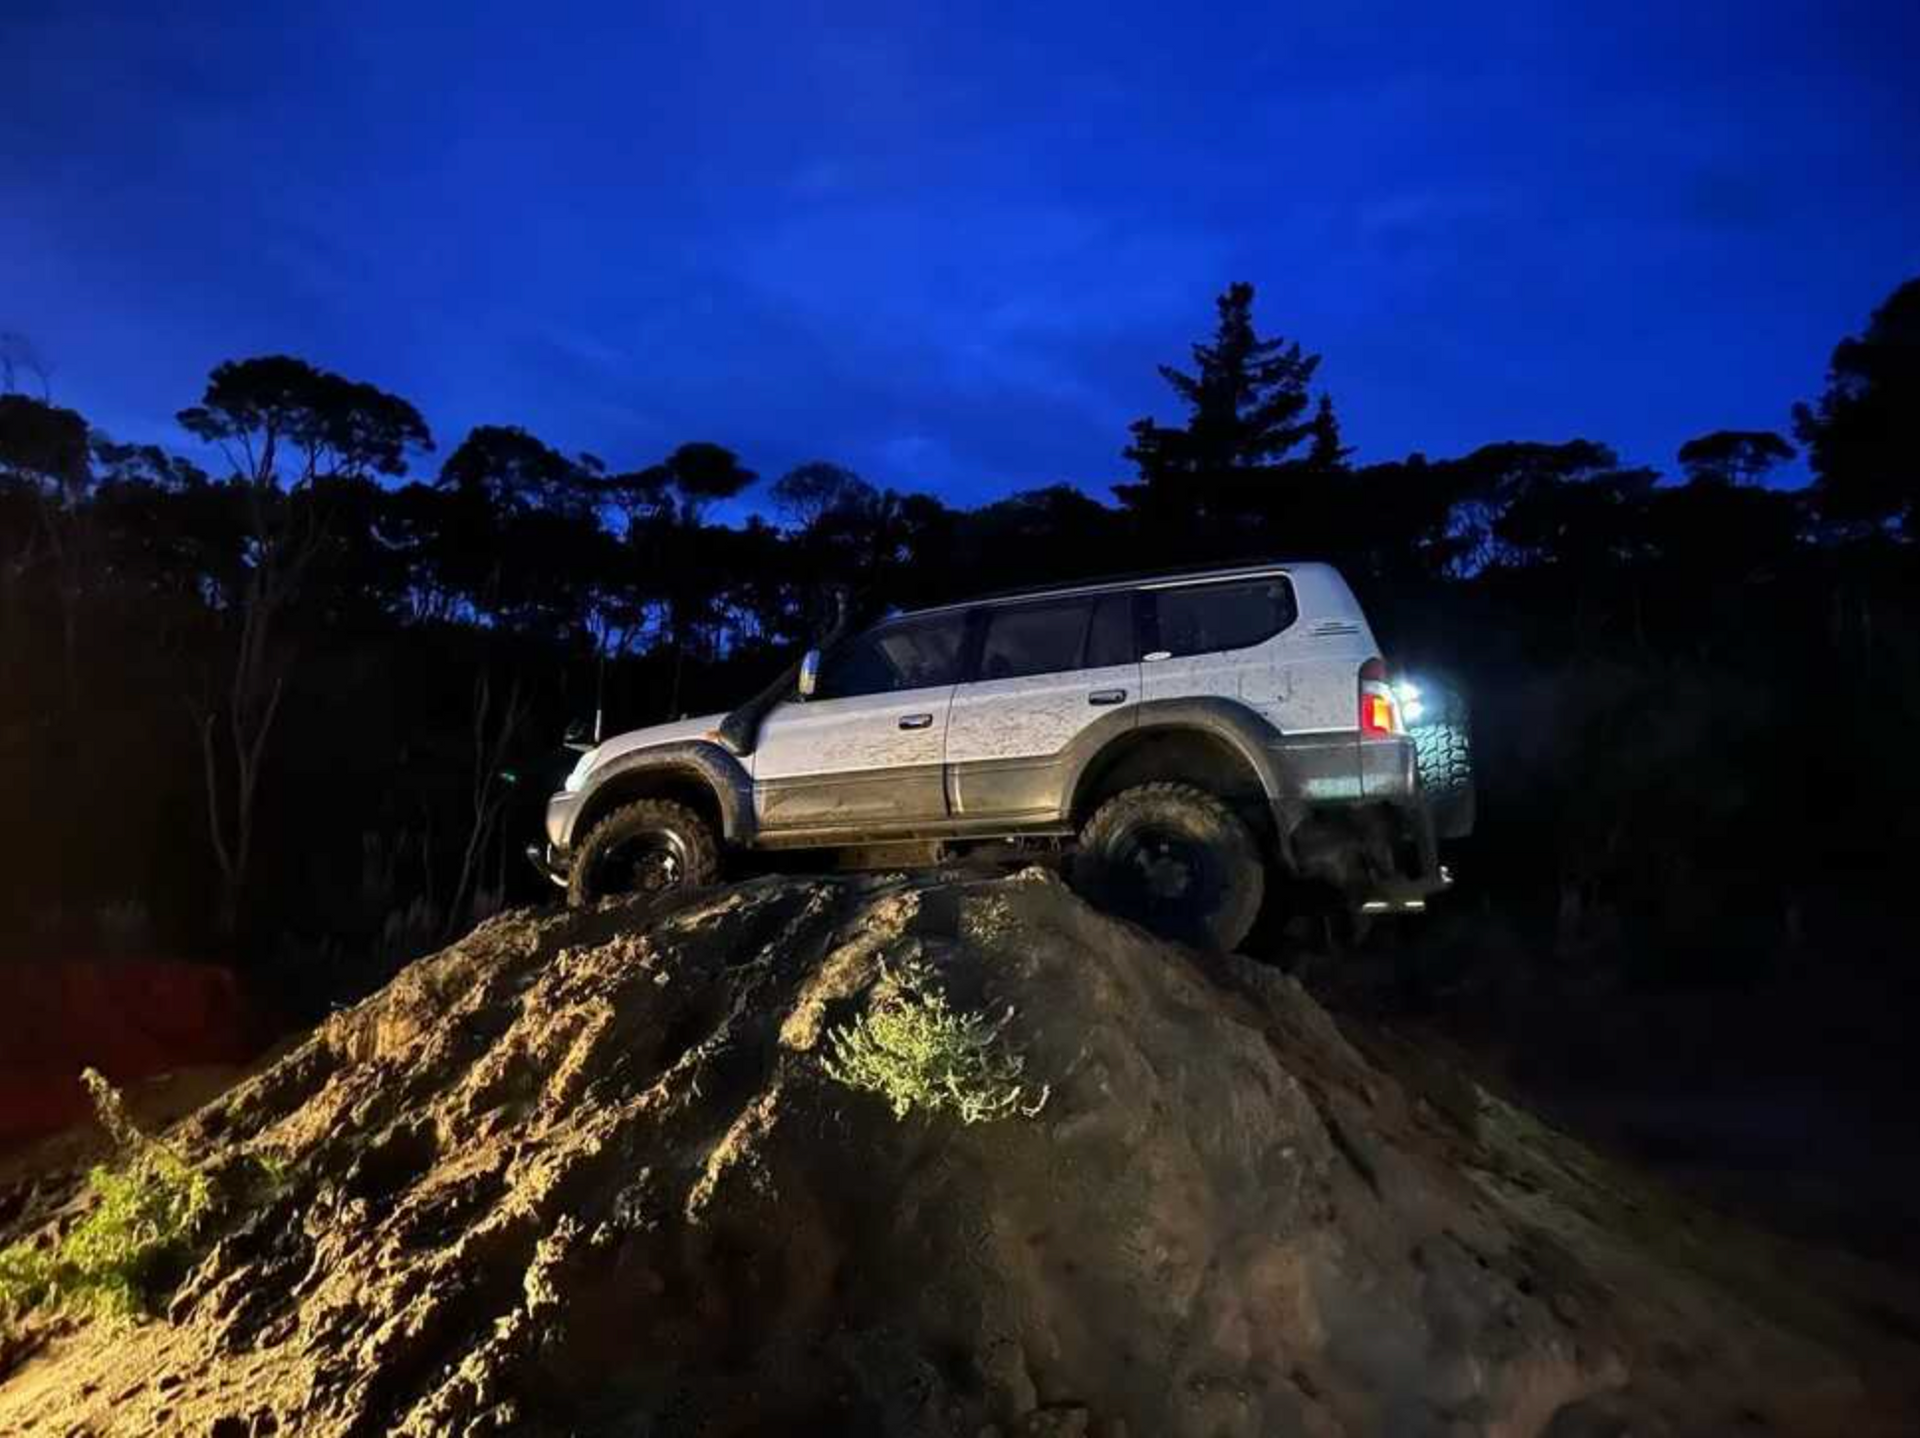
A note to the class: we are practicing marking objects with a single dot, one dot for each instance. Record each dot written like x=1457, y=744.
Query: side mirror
x=809, y=673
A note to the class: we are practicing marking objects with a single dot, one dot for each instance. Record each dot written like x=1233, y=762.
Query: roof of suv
x=1119, y=581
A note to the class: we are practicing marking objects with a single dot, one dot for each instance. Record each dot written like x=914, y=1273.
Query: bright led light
x=1407, y=691
x=1411, y=709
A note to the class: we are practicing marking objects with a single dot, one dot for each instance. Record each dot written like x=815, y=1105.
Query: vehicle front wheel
x=1177, y=861
x=653, y=846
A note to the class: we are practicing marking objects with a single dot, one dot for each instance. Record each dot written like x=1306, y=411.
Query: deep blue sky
x=946, y=244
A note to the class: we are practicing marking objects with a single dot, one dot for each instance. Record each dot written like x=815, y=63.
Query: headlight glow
x=1407, y=691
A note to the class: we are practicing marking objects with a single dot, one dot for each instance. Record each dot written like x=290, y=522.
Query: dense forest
x=294, y=695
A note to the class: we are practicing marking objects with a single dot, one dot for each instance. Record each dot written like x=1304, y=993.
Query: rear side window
x=1034, y=639
x=1211, y=617
x=913, y=654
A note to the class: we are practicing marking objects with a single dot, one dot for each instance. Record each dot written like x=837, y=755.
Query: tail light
x=1379, y=709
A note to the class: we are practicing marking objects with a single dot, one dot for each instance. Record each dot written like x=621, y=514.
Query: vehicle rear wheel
x=653, y=846
x=1176, y=860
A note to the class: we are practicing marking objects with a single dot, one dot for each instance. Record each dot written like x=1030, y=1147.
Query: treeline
x=307, y=699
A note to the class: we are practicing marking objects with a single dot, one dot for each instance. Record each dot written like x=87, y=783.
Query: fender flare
x=1246, y=733
x=1256, y=741
x=699, y=759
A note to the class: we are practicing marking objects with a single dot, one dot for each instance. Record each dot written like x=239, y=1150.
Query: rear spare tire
x=653, y=846
x=1177, y=861
x=1443, y=746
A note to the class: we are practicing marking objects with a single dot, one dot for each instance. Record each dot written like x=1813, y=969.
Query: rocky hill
x=595, y=1173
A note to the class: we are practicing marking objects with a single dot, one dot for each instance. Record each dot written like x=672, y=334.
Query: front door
x=865, y=754
x=1048, y=670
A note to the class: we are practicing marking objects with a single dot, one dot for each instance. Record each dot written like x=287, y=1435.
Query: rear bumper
x=1389, y=771
x=1373, y=839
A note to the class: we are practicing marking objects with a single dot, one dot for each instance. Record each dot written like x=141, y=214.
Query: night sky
x=946, y=245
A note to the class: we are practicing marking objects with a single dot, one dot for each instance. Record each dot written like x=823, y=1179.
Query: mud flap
x=1378, y=858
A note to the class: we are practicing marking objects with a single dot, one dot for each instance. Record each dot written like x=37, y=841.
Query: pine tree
x=1249, y=410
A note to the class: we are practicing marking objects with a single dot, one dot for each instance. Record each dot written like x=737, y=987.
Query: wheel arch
x=701, y=776
x=1214, y=745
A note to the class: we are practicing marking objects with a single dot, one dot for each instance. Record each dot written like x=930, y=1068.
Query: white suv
x=1181, y=736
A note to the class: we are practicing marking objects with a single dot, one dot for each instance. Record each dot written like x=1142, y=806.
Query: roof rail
x=1112, y=581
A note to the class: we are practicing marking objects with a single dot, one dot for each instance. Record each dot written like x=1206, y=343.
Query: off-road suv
x=1181, y=738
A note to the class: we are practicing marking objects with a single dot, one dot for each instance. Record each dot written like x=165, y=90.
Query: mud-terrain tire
x=653, y=846
x=1177, y=861
x=1444, y=752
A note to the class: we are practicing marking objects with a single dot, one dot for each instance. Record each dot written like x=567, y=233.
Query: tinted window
x=1034, y=639
x=913, y=654
x=1212, y=617
x=1110, y=641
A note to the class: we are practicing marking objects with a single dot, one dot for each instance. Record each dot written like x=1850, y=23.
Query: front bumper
x=549, y=862
x=553, y=858
x=562, y=809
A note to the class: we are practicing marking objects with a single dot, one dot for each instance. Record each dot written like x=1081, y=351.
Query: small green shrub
x=915, y=1051
x=135, y=1241
x=26, y=1277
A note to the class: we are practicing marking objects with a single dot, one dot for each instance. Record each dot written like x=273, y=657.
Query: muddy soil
x=586, y=1173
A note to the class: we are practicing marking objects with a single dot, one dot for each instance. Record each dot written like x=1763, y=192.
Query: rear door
x=1220, y=639
x=866, y=753
x=1047, y=669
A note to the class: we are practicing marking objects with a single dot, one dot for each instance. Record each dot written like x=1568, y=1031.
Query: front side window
x=911, y=654
x=1208, y=618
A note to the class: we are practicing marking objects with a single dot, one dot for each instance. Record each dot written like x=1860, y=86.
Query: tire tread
x=1246, y=880
x=703, y=862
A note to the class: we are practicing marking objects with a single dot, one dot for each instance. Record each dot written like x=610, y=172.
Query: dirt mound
x=587, y=1173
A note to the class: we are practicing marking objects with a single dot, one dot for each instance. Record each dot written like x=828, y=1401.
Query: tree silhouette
x=1490, y=481
x=1249, y=408
x=283, y=425
x=702, y=473
x=1733, y=456
x=692, y=478
x=43, y=448
x=809, y=493
x=511, y=471
x=1863, y=436
x=282, y=422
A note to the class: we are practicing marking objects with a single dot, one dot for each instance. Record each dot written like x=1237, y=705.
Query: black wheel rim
x=1165, y=876
x=655, y=862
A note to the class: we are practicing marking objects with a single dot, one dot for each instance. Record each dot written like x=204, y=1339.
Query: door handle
x=1107, y=696
x=916, y=721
